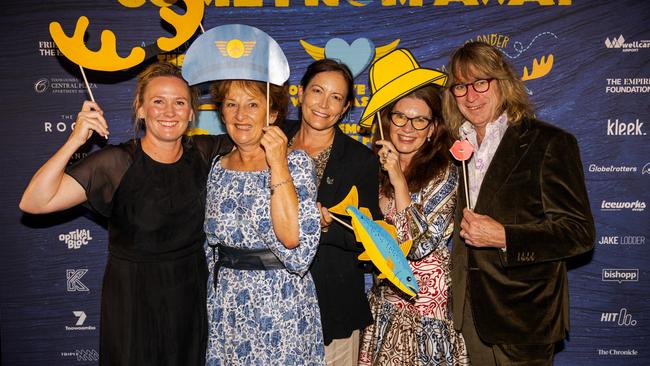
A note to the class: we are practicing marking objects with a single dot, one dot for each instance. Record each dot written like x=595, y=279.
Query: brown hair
x=479, y=59
x=278, y=101
x=153, y=71
x=433, y=157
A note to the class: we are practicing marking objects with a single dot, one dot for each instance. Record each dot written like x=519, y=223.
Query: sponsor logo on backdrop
x=617, y=127
x=75, y=239
x=73, y=283
x=620, y=275
x=41, y=85
x=622, y=240
x=617, y=352
x=627, y=85
x=622, y=318
x=76, y=157
x=60, y=126
x=622, y=205
x=626, y=45
x=64, y=125
x=646, y=169
x=48, y=48
x=79, y=324
x=596, y=168
x=82, y=355
x=61, y=86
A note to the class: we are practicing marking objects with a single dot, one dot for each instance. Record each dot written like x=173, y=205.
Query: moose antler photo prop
x=107, y=58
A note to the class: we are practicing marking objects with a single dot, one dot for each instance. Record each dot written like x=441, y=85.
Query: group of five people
x=240, y=222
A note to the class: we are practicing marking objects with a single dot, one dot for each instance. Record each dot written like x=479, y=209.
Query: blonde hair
x=479, y=59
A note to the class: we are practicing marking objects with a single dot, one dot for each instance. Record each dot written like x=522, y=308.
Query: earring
x=428, y=138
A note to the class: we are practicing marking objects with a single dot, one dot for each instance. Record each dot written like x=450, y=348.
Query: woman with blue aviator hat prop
x=262, y=222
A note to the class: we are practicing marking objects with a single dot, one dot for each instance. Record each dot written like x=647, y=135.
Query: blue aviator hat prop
x=235, y=51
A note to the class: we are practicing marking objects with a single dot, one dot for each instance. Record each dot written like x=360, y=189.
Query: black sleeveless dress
x=153, y=309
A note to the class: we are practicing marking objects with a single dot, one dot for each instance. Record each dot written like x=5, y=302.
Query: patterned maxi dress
x=262, y=317
x=418, y=332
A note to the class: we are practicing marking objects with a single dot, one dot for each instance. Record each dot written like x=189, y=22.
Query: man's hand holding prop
x=481, y=230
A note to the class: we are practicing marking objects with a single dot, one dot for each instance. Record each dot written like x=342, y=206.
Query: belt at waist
x=244, y=259
x=140, y=255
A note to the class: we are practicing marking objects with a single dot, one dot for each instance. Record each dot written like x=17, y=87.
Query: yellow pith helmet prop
x=394, y=76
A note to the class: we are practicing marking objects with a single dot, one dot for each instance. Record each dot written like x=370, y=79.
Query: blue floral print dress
x=262, y=317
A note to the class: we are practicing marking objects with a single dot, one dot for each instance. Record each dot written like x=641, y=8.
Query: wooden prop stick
x=90, y=92
x=268, y=103
x=381, y=130
x=462, y=151
x=342, y=222
x=469, y=204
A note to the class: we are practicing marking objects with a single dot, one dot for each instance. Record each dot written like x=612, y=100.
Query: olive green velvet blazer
x=535, y=187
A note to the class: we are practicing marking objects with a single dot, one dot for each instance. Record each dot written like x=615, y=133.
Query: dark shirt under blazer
x=337, y=273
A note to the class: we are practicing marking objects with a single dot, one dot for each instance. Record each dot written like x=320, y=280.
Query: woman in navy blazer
x=325, y=94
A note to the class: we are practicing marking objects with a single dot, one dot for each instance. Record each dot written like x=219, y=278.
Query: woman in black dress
x=325, y=94
x=152, y=192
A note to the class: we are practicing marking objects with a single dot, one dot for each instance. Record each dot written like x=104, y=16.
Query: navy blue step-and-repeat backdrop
x=587, y=68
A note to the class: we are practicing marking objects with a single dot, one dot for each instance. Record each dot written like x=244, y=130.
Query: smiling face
x=323, y=100
x=166, y=109
x=408, y=140
x=479, y=108
x=244, y=113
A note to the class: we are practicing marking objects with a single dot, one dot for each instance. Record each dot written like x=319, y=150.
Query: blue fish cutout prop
x=379, y=241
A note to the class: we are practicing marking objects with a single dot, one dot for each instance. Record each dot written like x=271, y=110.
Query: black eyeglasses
x=418, y=122
x=479, y=86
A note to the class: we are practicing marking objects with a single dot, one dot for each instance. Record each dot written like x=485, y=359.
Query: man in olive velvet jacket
x=528, y=211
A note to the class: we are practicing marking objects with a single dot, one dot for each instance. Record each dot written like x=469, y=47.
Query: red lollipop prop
x=462, y=150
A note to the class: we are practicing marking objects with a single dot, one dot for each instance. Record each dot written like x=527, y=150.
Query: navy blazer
x=535, y=187
x=337, y=273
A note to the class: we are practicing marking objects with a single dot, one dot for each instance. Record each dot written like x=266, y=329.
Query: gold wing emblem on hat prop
x=107, y=58
x=235, y=48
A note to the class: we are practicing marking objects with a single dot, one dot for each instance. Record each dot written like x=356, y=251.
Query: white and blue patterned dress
x=262, y=317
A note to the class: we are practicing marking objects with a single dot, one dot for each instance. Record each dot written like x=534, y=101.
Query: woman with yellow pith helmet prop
x=325, y=94
x=152, y=192
x=262, y=222
x=418, y=195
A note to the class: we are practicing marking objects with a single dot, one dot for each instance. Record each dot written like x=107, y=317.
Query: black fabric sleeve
x=100, y=174
x=211, y=146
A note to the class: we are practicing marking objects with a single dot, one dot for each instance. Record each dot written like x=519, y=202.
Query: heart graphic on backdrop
x=357, y=56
